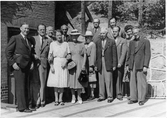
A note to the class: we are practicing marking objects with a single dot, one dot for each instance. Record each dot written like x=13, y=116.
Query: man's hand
x=144, y=69
x=119, y=65
x=15, y=66
x=114, y=68
x=95, y=68
x=32, y=66
x=127, y=68
x=36, y=57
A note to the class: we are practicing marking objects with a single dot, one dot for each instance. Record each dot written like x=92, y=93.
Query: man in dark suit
x=113, y=23
x=121, y=45
x=19, y=55
x=106, y=63
x=138, y=62
x=41, y=43
x=96, y=30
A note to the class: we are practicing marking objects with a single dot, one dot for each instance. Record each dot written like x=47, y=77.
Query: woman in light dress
x=58, y=62
x=91, y=58
x=78, y=55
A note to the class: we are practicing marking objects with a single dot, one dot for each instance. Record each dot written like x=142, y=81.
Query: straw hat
x=74, y=32
x=88, y=33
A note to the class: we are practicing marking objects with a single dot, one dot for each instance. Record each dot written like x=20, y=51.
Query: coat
x=91, y=53
x=139, y=56
x=19, y=52
x=95, y=35
x=43, y=51
x=121, y=45
x=110, y=54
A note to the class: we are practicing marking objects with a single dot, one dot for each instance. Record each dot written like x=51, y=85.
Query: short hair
x=58, y=30
x=96, y=19
x=113, y=18
x=63, y=26
x=103, y=29
x=24, y=23
x=49, y=27
x=119, y=29
x=128, y=27
x=41, y=24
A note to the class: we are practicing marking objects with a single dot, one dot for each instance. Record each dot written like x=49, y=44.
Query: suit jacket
x=91, y=53
x=17, y=51
x=139, y=56
x=121, y=45
x=110, y=54
x=43, y=51
x=110, y=33
x=95, y=35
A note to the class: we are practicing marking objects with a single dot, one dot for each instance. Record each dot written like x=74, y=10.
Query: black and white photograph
x=97, y=58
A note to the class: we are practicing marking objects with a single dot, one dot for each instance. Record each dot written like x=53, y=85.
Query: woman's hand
x=52, y=69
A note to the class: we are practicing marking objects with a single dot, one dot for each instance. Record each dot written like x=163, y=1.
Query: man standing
x=106, y=63
x=121, y=54
x=50, y=33
x=112, y=24
x=41, y=43
x=138, y=63
x=19, y=54
x=65, y=36
x=96, y=30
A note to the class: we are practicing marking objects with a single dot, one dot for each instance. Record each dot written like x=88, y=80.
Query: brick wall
x=42, y=12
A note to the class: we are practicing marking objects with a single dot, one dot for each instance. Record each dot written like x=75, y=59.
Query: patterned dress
x=59, y=52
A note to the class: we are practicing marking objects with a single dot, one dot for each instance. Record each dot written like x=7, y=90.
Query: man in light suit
x=96, y=30
x=121, y=45
x=41, y=43
x=106, y=63
x=113, y=23
x=19, y=53
x=138, y=62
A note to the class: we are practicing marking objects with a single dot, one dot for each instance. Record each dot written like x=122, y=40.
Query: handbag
x=71, y=65
x=83, y=77
x=92, y=77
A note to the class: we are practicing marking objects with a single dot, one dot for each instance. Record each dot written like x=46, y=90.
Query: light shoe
x=73, y=101
x=80, y=101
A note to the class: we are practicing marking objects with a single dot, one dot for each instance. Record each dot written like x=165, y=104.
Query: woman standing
x=91, y=57
x=58, y=62
x=79, y=58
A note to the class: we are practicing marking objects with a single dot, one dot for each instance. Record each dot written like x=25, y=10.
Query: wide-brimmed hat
x=88, y=33
x=74, y=32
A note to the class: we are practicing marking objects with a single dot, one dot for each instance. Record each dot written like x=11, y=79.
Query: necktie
x=42, y=42
x=95, y=30
x=25, y=38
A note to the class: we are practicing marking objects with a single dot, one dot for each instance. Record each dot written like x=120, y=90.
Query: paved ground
x=152, y=108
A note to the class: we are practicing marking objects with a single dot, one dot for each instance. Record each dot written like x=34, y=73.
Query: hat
x=88, y=33
x=74, y=32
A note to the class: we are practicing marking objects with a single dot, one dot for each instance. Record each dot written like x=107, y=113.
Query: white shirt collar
x=23, y=35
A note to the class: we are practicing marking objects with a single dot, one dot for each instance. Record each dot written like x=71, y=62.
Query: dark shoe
x=56, y=103
x=141, y=103
x=110, y=100
x=42, y=105
x=132, y=102
x=91, y=98
x=120, y=99
x=32, y=109
x=26, y=110
x=100, y=99
x=37, y=106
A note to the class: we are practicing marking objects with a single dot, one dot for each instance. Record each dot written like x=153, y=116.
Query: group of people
x=106, y=59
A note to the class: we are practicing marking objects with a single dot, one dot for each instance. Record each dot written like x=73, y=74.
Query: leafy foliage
x=153, y=11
